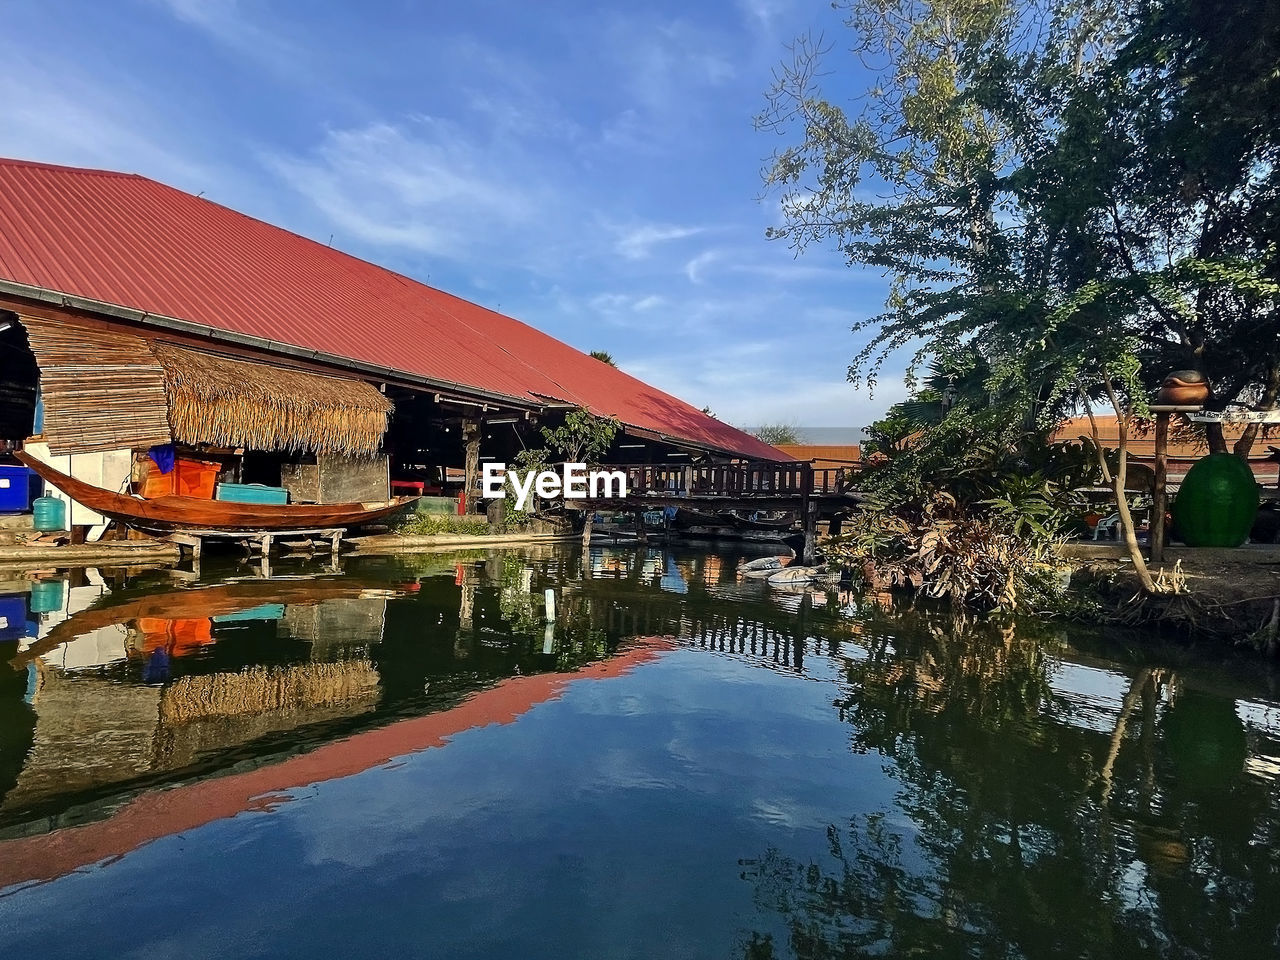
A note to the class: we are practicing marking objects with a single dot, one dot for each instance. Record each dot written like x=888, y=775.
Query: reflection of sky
x=1087, y=697
x=672, y=579
x=607, y=823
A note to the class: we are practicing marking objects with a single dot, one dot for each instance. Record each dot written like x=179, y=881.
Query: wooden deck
x=754, y=485
x=814, y=494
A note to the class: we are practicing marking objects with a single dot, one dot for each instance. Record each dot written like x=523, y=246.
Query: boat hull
x=173, y=513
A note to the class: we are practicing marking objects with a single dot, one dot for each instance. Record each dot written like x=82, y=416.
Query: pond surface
x=407, y=760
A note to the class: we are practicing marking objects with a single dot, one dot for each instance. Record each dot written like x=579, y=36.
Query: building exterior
x=825, y=456
x=134, y=316
x=1185, y=448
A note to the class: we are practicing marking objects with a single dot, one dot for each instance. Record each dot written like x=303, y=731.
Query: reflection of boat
x=196, y=603
x=166, y=514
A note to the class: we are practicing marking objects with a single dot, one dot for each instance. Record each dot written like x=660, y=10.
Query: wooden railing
x=750, y=479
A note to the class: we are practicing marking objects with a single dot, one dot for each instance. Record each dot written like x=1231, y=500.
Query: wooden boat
x=689, y=519
x=802, y=575
x=784, y=522
x=172, y=513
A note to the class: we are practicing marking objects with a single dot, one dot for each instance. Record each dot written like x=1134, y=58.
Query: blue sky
x=590, y=169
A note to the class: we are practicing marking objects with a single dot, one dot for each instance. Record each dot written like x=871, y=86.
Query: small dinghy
x=798, y=575
x=763, y=563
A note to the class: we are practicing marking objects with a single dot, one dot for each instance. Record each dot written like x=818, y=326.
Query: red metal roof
x=132, y=242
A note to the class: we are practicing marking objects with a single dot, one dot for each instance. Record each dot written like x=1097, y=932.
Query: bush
x=432, y=524
x=989, y=561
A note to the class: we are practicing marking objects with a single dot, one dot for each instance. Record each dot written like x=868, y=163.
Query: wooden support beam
x=1160, y=493
x=641, y=531
x=809, y=515
x=471, y=431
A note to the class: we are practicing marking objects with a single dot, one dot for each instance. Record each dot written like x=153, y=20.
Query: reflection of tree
x=1027, y=835
x=17, y=726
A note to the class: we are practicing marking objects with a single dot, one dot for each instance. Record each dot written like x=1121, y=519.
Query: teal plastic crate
x=251, y=493
x=265, y=611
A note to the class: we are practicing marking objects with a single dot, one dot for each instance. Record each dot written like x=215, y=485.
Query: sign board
x=1237, y=416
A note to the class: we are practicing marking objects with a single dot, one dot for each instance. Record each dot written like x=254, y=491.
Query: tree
x=1187, y=119
x=1015, y=218
x=776, y=433
x=582, y=438
x=604, y=356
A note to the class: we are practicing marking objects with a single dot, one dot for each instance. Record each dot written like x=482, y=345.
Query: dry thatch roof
x=261, y=689
x=243, y=403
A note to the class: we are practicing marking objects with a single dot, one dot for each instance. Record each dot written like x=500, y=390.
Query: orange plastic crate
x=196, y=478
x=188, y=478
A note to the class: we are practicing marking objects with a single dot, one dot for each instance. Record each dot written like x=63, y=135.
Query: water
x=406, y=761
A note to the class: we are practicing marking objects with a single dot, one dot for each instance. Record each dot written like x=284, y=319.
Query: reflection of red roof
x=161, y=813
x=125, y=240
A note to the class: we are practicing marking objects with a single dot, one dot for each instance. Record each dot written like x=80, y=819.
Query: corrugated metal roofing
x=130, y=241
x=824, y=454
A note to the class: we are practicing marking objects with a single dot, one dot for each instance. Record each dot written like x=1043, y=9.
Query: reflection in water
x=833, y=775
x=1019, y=831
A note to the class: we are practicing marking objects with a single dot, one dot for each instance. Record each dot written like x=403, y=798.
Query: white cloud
x=695, y=267
x=761, y=14
x=50, y=112
x=637, y=243
x=230, y=24
x=423, y=185
x=651, y=302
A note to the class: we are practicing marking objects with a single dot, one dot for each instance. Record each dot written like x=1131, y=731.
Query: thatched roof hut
x=107, y=389
x=228, y=402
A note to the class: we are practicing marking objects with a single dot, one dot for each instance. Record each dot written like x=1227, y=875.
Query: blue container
x=50, y=514
x=15, y=489
x=266, y=611
x=252, y=493
x=13, y=617
x=46, y=595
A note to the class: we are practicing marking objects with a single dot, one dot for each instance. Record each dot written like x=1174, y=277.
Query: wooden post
x=641, y=531
x=471, y=465
x=809, y=514
x=1159, y=495
x=586, y=528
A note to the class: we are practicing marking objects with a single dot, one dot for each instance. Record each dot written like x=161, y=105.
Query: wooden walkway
x=813, y=494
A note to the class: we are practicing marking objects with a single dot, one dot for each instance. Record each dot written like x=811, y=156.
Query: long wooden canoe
x=167, y=514
x=193, y=602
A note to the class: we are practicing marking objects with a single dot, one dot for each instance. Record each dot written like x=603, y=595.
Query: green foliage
x=434, y=524
x=980, y=455
x=776, y=433
x=582, y=438
x=973, y=510
x=604, y=356
x=999, y=559
x=1074, y=191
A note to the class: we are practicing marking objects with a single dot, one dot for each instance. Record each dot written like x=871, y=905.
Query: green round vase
x=1217, y=502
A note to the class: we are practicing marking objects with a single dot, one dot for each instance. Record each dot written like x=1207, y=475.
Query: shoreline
x=28, y=558
x=1229, y=594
